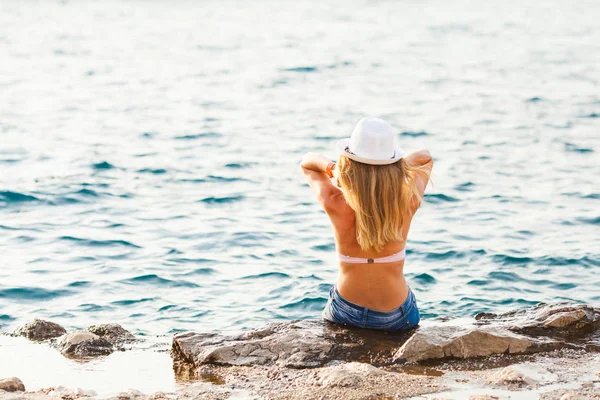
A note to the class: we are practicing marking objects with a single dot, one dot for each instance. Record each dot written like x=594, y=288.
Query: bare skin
x=379, y=287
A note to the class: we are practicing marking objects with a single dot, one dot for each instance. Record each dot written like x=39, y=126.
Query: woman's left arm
x=318, y=163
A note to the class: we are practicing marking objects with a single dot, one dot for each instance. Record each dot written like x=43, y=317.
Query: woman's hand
x=419, y=158
x=317, y=162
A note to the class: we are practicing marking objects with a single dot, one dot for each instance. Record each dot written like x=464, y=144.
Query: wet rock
x=12, y=385
x=39, y=329
x=294, y=344
x=573, y=396
x=513, y=375
x=348, y=375
x=310, y=344
x=65, y=392
x=557, y=320
x=114, y=333
x=438, y=342
x=131, y=394
x=83, y=344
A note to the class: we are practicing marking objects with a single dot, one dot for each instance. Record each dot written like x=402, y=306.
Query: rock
x=114, y=333
x=573, y=396
x=557, y=320
x=511, y=374
x=294, y=344
x=40, y=330
x=83, y=344
x=12, y=385
x=310, y=343
x=348, y=375
x=130, y=394
x=65, y=392
x=438, y=342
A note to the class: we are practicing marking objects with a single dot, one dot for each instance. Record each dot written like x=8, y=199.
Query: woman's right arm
x=420, y=159
x=422, y=163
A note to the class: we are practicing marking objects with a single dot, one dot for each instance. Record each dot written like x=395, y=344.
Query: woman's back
x=372, y=283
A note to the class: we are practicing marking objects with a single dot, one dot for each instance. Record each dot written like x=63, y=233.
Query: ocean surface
x=149, y=154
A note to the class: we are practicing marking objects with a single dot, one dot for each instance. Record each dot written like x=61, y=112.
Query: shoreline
x=546, y=352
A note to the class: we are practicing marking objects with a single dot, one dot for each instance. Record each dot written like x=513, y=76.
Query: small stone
x=511, y=374
x=114, y=333
x=130, y=395
x=352, y=374
x=65, y=392
x=84, y=344
x=12, y=385
x=39, y=329
x=483, y=397
x=573, y=396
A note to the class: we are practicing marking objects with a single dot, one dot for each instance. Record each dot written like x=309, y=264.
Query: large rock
x=12, y=385
x=39, y=329
x=557, y=320
x=309, y=343
x=438, y=342
x=295, y=344
x=84, y=344
x=114, y=333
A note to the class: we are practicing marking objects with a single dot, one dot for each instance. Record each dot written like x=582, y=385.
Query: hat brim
x=342, y=144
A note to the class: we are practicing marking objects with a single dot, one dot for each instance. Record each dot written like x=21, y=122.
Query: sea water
x=149, y=154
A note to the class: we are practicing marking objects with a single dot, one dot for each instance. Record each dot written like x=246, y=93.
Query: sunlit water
x=149, y=154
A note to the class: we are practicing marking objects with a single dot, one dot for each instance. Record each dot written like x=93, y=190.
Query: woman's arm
x=318, y=170
x=318, y=163
x=421, y=162
x=421, y=158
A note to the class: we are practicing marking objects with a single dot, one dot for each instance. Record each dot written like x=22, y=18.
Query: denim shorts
x=340, y=311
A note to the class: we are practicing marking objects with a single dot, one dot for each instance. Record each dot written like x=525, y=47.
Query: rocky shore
x=545, y=352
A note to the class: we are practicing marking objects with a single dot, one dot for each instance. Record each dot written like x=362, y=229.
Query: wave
x=278, y=275
x=301, y=69
x=204, y=135
x=32, y=293
x=103, y=165
x=16, y=197
x=222, y=200
x=99, y=243
x=306, y=304
x=414, y=134
x=124, y=303
x=155, y=280
x=440, y=198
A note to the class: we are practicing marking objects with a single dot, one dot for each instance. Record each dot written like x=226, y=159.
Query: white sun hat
x=372, y=142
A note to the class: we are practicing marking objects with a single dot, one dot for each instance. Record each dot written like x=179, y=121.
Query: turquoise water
x=149, y=154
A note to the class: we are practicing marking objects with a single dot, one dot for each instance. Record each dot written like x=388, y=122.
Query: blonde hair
x=380, y=196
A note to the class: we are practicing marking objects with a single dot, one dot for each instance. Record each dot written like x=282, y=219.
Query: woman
x=371, y=206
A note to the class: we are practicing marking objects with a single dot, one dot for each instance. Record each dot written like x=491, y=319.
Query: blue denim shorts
x=340, y=311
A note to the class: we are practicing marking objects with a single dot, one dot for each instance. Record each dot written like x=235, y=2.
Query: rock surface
x=40, y=330
x=114, y=333
x=348, y=375
x=66, y=392
x=564, y=320
x=83, y=344
x=295, y=344
x=310, y=344
x=440, y=342
x=12, y=385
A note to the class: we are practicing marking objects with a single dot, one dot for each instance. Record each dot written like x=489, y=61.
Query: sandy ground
x=560, y=375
